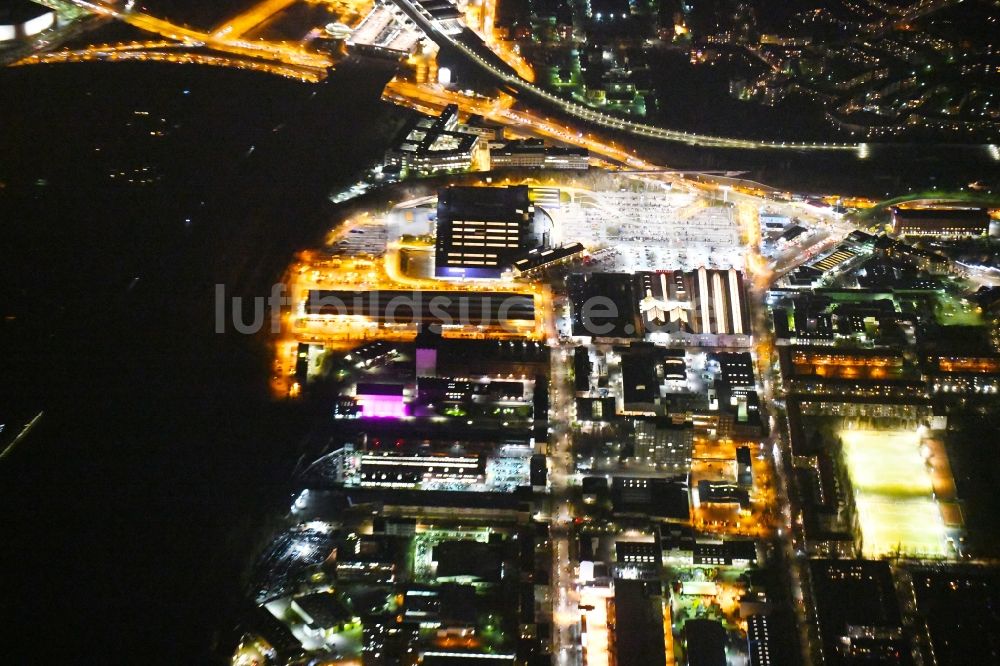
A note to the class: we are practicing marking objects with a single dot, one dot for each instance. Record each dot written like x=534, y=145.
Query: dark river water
x=130, y=512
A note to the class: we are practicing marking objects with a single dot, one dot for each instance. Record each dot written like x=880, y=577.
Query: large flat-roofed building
x=664, y=443
x=533, y=153
x=971, y=594
x=468, y=561
x=738, y=552
x=735, y=369
x=459, y=357
x=638, y=623
x=647, y=373
x=20, y=19
x=382, y=32
x=444, y=658
x=393, y=470
x=857, y=612
x=940, y=221
x=539, y=259
x=446, y=308
x=481, y=231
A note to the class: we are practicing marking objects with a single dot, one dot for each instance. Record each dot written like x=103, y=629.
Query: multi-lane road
x=284, y=59
x=486, y=60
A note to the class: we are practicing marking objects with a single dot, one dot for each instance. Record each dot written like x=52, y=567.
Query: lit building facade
x=940, y=221
x=482, y=230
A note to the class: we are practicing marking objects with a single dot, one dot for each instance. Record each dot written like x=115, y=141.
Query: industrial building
x=940, y=221
x=533, y=153
x=482, y=230
x=539, y=259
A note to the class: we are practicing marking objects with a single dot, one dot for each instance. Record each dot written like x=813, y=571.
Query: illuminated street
x=281, y=59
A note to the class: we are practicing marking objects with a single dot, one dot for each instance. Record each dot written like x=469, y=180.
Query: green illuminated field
x=893, y=494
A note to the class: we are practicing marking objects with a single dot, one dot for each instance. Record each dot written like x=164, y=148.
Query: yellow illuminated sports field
x=894, y=494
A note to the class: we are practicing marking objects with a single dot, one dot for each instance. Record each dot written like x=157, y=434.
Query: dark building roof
x=595, y=409
x=538, y=470
x=759, y=641
x=457, y=500
x=424, y=136
x=431, y=307
x=722, y=492
x=594, y=485
x=973, y=595
x=646, y=366
x=538, y=258
x=441, y=9
x=324, y=608
x=485, y=357
x=581, y=368
x=638, y=380
x=638, y=553
x=805, y=321
x=455, y=390
x=592, y=317
x=860, y=237
x=792, y=232
x=804, y=275
x=661, y=498
x=371, y=351
x=706, y=643
x=941, y=219
x=474, y=559
x=987, y=297
x=736, y=369
x=537, y=146
x=365, y=388
x=277, y=634
x=457, y=604
x=588, y=547
x=639, y=622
